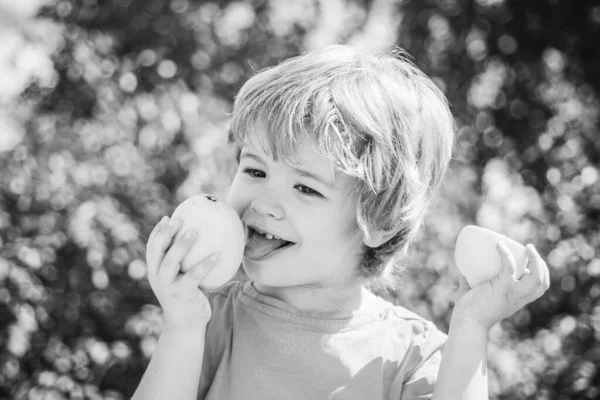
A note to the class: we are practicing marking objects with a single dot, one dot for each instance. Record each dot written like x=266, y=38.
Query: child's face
x=319, y=220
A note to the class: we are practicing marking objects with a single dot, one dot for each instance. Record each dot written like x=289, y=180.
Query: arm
x=175, y=367
x=463, y=371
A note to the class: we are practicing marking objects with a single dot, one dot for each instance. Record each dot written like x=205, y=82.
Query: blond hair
x=378, y=118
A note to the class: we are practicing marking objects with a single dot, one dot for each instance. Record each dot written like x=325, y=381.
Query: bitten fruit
x=219, y=230
x=477, y=257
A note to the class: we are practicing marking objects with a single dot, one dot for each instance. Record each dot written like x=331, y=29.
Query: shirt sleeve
x=218, y=335
x=419, y=384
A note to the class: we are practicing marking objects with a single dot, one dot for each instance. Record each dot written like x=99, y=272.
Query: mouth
x=251, y=231
x=260, y=245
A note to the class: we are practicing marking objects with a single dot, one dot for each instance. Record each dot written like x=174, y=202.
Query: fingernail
x=502, y=245
x=212, y=259
x=190, y=234
x=164, y=219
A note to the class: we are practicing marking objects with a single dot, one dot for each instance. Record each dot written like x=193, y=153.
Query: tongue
x=259, y=246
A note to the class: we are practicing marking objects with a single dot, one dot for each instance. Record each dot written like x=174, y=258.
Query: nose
x=267, y=203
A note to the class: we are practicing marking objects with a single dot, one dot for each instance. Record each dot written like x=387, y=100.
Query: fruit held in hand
x=477, y=257
x=220, y=231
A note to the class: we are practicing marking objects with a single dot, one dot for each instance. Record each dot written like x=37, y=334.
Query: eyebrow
x=300, y=172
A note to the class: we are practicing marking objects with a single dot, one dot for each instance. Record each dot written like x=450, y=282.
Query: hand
x=491, y=301
x=184, y=305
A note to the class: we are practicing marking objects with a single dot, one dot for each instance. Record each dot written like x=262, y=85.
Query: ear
x=379, y=237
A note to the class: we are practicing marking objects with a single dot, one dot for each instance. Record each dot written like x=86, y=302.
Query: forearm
x=463, y=370
x=175, y=367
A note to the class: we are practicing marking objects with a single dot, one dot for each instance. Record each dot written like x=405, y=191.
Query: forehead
x=301, y=152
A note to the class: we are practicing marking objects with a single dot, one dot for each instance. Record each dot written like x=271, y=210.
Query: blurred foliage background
x=114, y=111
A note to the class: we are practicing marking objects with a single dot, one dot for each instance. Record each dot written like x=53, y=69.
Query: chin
x=267, y=275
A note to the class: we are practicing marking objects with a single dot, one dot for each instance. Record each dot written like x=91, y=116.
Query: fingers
x=508, y=273
x=193, y=278
x=158, y=245
x=158, y=227
x=534, y=284
x=153, y=254
x=169, y=268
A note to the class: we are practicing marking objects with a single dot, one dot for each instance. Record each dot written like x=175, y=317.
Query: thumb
x=463, y=287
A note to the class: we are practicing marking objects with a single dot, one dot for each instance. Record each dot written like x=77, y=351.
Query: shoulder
x=223, y=303
x=219, y=330
x=413, y=331
x=415, y=350
x=225, y=293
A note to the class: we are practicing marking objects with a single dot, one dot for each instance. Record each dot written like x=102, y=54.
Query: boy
x=340, y=153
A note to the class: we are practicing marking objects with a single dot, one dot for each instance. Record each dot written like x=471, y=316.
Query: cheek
x=323, y=231
x=237, y=197
x=348, y=231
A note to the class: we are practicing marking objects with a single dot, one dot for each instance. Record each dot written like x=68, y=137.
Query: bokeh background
x=114, y=111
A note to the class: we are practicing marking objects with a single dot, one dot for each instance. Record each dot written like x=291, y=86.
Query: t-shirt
x=257, y=347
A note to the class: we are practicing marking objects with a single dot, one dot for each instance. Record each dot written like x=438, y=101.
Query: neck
x=323, y=299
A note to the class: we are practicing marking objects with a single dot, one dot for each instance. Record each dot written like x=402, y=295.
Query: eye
x=309, y=192
x=257, y=173
x=254, y=173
